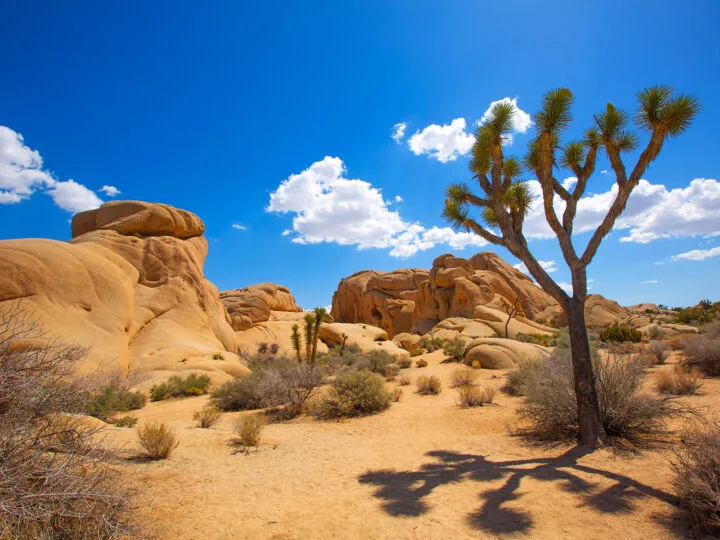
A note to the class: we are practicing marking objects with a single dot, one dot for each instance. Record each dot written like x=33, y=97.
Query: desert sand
x=424, y=468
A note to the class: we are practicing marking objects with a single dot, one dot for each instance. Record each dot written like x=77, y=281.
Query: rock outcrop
x=129, y=286
x=253, y=304
x=415, y=300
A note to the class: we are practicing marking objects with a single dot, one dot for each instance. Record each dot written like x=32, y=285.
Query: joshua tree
x=295, y=338
x=512, y=310
x=319, y=316
x=344, y=337
x=309, y=327
x=506, y=200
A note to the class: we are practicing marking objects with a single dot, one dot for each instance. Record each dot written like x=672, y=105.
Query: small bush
x=463, y=377
x=704, y=354
x=658, y=350
x=455, y=349
x=207, y=417
x=473, y=396
x=694, y=315
x=432, y=344
x=376, y=361
x=403, y=363
x=421, y=363
x=626, y=413
x=517, y=379
x=428, y=385
x=697, y=475
x=176, y=387
x=403, y=380
x=679, y=381
x=158, y=440
x=114, y=398
x=655, y=333
x=397, y=394
x=217, y=356
x=355, y=394
x=417, y=352
x=239, y=394
x=248, y=429
x=126, y=421
x=620, y=334
x=538, y=339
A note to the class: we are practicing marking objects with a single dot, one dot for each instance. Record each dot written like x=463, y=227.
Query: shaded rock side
x=254, y=304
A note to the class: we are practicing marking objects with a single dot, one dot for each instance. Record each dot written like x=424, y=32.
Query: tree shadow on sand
x=404, y=492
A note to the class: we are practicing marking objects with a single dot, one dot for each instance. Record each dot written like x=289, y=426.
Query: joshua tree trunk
x=592, y=433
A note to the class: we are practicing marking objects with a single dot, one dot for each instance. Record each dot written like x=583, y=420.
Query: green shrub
x=126, y=421
x=417, y=352
x=538, y=339
x=158, y=440
x=626, y=413
x=421, y=363
x=355, y=394
x=239, y=394
x=432, y=344
x=217, y=356
x=620, y=334
x=176, y=387
x=696, y=315
x=517, y=379
x=428, y=385
x=455, y=349
x=112, y=399
x=376, y=361
x=562, y=340
x=248, y=429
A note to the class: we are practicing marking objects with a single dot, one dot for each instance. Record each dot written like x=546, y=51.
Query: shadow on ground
x=404, y=492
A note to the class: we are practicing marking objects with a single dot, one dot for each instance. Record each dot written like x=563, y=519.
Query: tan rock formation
x=599, y=312
x=415, y=300
x=254, y=304
x=498, y=353
x=129, y=285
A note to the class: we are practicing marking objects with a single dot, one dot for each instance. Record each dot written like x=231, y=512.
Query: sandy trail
x=423, y=469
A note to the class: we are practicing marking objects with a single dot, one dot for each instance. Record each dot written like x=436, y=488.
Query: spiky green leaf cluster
x=664, y=113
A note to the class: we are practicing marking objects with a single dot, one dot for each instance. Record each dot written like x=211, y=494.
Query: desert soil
x=425, y=468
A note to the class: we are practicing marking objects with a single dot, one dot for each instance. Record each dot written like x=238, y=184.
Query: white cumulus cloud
x=328, y=207
x=239, y=227
x=444, y=143
x=110, y=191
x=398, y=132
x=652, y=212
x=548, y=266
x=74, y=197
x=22, y=174
x=697, y=254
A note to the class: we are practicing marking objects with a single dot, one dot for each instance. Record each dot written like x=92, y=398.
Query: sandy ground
x=423, y=469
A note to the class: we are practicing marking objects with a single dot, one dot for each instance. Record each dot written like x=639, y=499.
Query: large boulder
x=254, y=304
x=129, y=286
x=415, y=300
x=599, y=313
x=497, y=353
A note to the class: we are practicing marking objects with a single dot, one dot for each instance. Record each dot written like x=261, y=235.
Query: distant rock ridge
x=415, y=300
x=254, y=303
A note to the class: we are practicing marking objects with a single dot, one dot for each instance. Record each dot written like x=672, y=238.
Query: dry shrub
x=355, y=394
x=207, y=417
x=455, y=349
x=397, y=394
x=658, y=350
x=248, y=429
x=680, y=380
x=463, y=377
x=403, y=380
x=157, y=439
x=126, y=421
x=626, y=413
x=473, y=396
x=55, y=481
x=517, y=379
x=404, y=363
x=697, y=475
x=703, y=353
x=428, y=385
x=421, y=363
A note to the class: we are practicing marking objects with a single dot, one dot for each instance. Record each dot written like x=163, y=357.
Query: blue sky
x=211, y=107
